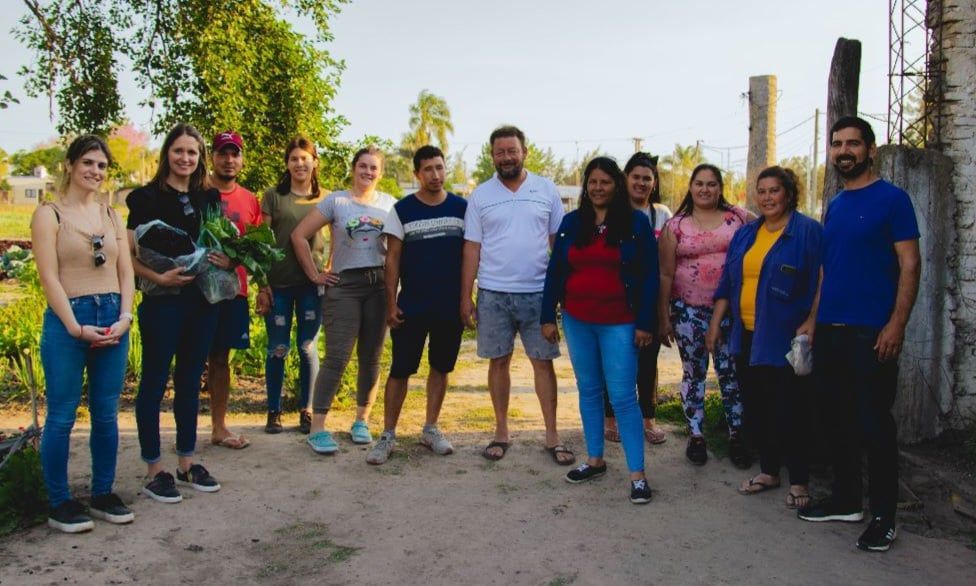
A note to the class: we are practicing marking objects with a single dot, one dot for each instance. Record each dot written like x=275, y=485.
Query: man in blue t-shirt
x=871, y=267
x=424, y=242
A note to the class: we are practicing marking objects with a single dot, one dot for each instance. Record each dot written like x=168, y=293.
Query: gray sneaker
x=381, y=450
x=435, y=440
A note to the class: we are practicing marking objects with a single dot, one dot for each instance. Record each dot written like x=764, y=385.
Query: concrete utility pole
x=842, y=88
x=638, y=143
x=762, y=130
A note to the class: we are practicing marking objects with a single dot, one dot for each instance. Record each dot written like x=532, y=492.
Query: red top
x=241, y=207
x=594, y=290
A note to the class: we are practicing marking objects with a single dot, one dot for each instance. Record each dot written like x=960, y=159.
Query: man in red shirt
x=241, y=207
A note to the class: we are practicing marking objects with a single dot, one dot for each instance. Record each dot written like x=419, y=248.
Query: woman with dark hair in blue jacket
x=604, y=272
x=769, y=283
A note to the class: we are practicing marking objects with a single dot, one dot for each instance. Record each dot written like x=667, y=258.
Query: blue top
x=860, y=266
x=787, y=286
x=430, y=262
x=638, y=270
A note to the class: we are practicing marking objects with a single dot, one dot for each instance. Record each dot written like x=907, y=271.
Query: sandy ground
x=286, y=516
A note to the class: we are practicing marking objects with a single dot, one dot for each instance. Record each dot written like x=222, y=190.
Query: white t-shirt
x=513, y=230
x=661, y=215
x=357, y=229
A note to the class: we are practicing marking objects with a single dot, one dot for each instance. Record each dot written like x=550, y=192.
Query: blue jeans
x=304, y=303
x=181, y=327
x=65, y=359
x=604, y=357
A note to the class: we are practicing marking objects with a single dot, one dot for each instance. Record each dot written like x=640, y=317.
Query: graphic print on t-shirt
x=445, y=227
x=361, y=229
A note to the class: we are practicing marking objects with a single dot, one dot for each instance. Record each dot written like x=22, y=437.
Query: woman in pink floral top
x=692, y=247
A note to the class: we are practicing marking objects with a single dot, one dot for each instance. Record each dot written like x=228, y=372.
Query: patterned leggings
x=690, y=325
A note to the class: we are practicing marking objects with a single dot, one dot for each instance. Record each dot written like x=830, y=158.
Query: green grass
x=15, y=221
x=716, y=431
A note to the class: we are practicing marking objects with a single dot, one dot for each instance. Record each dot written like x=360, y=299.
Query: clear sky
x=574, y=74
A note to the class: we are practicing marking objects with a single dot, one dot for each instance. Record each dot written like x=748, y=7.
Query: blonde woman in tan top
x=87, y=277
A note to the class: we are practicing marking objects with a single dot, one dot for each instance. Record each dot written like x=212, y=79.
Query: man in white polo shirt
x=508, y=229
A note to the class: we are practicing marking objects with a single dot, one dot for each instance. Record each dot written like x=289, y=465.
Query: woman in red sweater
x=603, y=271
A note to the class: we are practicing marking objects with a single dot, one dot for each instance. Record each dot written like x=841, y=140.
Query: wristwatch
x=127, y=316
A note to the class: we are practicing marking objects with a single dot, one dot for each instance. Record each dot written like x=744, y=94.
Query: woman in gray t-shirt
x=354, y=307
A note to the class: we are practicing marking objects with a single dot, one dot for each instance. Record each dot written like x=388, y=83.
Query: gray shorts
x=501, y=315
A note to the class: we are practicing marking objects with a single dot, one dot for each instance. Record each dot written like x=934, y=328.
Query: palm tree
x=430, y=117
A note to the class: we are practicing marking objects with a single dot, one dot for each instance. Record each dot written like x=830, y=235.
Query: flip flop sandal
x=496, y=444
x=793, y=500
x=763, y=487
x=612, y=435
x=232, y=442
x=655, y=436
x=557, y=449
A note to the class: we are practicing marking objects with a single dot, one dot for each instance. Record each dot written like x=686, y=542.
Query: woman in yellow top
x=769, y=283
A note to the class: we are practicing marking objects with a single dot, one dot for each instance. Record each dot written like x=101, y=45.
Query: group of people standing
x=714, y=279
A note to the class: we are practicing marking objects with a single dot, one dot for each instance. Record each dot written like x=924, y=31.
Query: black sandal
x=557, y=449
x=495, y=444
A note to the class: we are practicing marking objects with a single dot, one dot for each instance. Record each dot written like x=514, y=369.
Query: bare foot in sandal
x=654, y=434
x=610, y=432
x=798, y=497
x=759, y=483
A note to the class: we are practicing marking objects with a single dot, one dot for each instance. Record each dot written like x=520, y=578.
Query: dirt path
x=286, y=516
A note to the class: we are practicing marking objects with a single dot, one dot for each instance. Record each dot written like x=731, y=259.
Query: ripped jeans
x=303, y=302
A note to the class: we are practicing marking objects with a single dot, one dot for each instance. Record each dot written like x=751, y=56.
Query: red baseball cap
x=228, y=137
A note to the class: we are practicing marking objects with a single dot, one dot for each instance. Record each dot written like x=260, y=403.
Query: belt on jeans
x=372, y=274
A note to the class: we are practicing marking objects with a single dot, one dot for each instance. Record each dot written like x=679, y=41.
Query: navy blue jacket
x=787, y=285
x=638, y=271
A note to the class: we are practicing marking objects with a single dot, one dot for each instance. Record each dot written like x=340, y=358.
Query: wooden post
x=762, y=131
x=842, y=88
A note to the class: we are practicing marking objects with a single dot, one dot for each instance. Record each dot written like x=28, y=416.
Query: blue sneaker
x=322, y=443
x=360, y=433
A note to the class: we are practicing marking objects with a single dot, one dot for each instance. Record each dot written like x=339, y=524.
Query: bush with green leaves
x=23, y=498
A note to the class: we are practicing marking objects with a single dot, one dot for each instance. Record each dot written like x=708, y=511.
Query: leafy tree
x=216, y=64
x=50, y=157
x=135, y=162
x=4, y=171
x=430, y=118
x=6, y=98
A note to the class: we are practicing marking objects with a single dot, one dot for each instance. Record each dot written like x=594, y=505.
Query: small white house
x=29, y=189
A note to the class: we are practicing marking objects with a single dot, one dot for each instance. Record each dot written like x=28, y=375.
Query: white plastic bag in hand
x=800, y=355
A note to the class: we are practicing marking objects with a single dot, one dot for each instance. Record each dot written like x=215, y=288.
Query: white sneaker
x=435, y=440
x=381, y=450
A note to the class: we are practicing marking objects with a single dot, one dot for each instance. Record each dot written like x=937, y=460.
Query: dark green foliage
x=23, y=498
x=716, y=431
x=216, y=64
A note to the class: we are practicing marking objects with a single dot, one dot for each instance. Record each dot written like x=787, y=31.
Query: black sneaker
x=70, y=517
x=304, y=422
x=878, y=536
x=585, y=472
x=274, y=422
x=198, y=478
x=162, y=488
x=827, y=510
x=640, y=493
x=697, y=450
x=739, y=452
x=110, y=508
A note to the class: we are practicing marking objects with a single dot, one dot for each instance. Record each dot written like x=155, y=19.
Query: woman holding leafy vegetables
x=289, y=292
x=176, y=320
x=86, y=275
